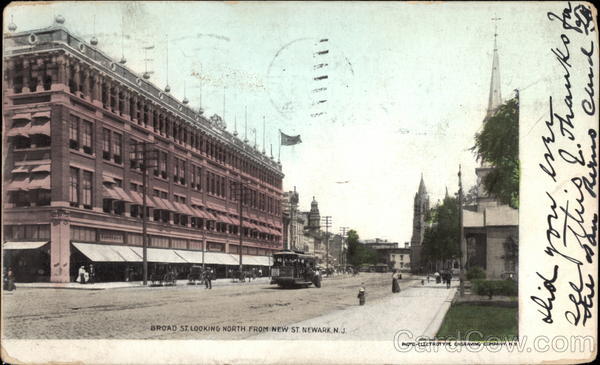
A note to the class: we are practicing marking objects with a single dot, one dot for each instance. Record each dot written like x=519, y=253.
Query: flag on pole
x=289, y=140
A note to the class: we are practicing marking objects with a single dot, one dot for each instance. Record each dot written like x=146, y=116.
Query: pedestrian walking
x=208, y=278
x=92, y=274
x=362, y=293
x=260, y=273
x=10, y=280
x=317, y=278
x=448, y=279
x=395, y=284
x=81, y=275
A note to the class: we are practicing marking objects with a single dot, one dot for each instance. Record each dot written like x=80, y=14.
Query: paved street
x=133, y=312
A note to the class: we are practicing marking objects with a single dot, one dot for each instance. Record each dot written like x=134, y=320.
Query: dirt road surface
x=181, y=312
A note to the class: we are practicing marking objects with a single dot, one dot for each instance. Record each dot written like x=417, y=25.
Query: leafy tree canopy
x=441, y=239
x=358, y=253
x=498, y=145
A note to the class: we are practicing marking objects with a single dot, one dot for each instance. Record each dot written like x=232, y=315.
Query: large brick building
x=74, y=126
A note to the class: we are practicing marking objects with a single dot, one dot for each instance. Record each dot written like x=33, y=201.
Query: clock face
x=308, y=78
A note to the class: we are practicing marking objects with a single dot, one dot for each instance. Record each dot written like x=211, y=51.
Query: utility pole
x=241, y=188
x=144, y=162
x=327, y=220
x=463, y=249
x=344, y=231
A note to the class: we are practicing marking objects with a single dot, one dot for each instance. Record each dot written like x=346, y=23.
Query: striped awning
x=19, y=182
x=139, y=199
x=22, y=131
x=22, y=116
x=40, y=181
x=40, y=128
x=41, y=114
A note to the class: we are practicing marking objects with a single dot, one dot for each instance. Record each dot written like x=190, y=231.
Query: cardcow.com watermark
x=475, y=341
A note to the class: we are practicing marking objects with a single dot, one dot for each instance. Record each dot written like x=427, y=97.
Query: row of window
x=81, y=81
x=27, y=232
x=87, y=234
x=29, y=198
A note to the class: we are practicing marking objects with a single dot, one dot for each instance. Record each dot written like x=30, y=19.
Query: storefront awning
x=164, y=256
x=18, y=245
x=219, y=258
x=99, y=253
x=127, y=253
x=256, y=260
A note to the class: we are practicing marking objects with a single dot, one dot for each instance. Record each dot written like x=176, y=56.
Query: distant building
x=293, y=221
x=420, y=209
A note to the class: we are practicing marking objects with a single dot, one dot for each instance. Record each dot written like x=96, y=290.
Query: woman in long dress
x=395, y=284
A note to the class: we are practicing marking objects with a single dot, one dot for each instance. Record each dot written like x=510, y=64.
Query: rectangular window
x=74, y=133
x=74, y=187
x=176, y=170
x=117, y=148
x=182, y=172
x=163, y=164
x=86, y=136
x=87, y=190
x=106, y=144
x=133, y=160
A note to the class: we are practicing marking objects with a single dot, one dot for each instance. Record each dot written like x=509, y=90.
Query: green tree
x=358, y=254
x=498, y=145
x=440, y=242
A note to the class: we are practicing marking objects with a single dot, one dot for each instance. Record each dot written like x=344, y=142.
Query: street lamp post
x=327, y=225
x=463, y=249
x=241, y=190
x=144, y=164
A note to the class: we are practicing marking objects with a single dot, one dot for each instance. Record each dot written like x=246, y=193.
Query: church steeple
x=495, y=97
x=422, y=189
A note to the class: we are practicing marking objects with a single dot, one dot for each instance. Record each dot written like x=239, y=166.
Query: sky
x=406, y=89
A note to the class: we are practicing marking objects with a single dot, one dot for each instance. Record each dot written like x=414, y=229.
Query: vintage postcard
x=299, y=182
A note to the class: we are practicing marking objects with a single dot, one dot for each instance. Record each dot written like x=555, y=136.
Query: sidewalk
x=134, y=284
x=419, y=309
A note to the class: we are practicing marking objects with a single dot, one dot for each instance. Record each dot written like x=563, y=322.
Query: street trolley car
x=294, y=269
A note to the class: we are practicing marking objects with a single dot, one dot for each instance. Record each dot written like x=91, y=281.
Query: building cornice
x=58, y=38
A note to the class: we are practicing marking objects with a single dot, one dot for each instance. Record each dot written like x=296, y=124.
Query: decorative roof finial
x=59, y=19
x=185, y=100
x=167, y=87
x=245, y=124
x=94, y=40
x=235, y=132
x=12, y=26
x=123, y=59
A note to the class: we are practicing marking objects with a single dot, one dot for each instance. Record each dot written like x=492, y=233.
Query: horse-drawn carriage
x=163, y=276
x=196, y=275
